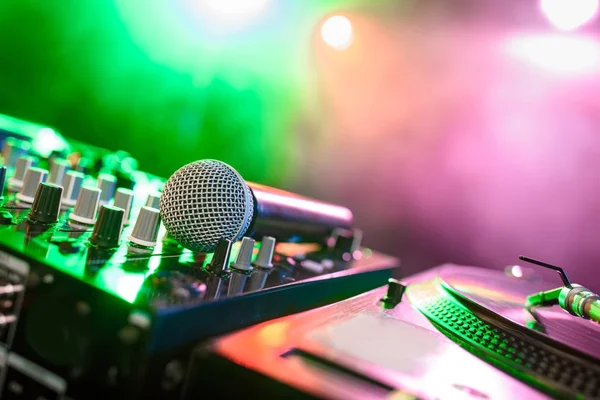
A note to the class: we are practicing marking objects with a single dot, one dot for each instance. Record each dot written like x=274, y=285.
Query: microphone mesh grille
x=206, y=201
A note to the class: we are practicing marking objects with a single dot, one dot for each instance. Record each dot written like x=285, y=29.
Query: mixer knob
x=14, y=148
x=2, y=180
x=153, y=201
x=21, y=167
x=58, y=169
x=72, y=185
x=32, y=180
x=108, y=184
x=124, y=200
x=86, y=206
x=46, y=204
x=107, y=231
x=145, y=231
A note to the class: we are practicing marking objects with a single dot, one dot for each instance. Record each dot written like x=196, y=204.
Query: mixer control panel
x=95, y=293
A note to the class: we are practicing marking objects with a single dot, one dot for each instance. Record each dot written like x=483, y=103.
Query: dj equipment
x=98, y=301
x=450, y=332
x=208, y=200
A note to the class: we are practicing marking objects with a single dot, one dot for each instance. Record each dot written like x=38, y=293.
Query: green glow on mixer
x=128, y=286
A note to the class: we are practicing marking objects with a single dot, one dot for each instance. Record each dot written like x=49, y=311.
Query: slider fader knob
x=145, y=231
x=46, y=205
x=394, y=293
x=32, y=180
x=107, y=230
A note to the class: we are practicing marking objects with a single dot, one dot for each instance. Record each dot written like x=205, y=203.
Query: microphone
x=207, y=200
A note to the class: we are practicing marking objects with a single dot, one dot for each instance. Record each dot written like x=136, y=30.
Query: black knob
x=107, y=230
x=395, y=290
x=46, y=203
x=220, y=260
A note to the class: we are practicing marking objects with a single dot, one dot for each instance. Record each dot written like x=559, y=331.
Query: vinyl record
x=505, y=296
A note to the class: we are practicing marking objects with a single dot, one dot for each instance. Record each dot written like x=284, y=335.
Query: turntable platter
x=505, y=296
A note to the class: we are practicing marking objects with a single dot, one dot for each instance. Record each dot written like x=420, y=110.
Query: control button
x=2, y=181
x=86, y=206
x=153, y=201
x=241, y=267
x=46, y=204
x=72, y=185
x=124, y=200
x=220, y=260
x=107, y=231
x=21, y=167
x=14, y=148
x=58, y=169
x=244, y=256
x=265, y=254
x=263, y=264
x=395, y=290
x=32, y=180
x=108, y=184
x=145, y=231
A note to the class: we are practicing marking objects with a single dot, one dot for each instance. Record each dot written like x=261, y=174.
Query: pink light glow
x=559, y=53
x=568, y=15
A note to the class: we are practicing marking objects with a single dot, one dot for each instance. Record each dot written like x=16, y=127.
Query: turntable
x=450, y=332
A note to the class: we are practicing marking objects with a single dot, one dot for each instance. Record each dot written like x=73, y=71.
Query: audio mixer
x=97, y=299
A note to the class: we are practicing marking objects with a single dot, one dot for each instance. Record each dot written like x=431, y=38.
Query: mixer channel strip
x=548, y=369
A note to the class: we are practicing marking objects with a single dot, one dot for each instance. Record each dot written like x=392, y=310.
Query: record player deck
x=397, y=345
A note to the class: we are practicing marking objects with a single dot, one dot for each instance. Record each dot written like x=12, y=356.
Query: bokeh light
x=337, y=32
x=232, y=12
x=568, y=15
x=558, y=54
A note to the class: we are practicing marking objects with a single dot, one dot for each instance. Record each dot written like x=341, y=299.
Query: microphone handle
x=293, y=218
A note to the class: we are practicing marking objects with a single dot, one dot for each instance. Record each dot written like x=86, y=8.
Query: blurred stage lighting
x=337, y=32
x=232, y=11
x=559, y=53
x=568, y=15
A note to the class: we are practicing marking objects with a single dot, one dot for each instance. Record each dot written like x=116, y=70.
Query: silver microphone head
x=204, y=202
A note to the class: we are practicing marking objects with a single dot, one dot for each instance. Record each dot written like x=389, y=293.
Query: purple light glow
x=493, y=155
x=568, y=15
